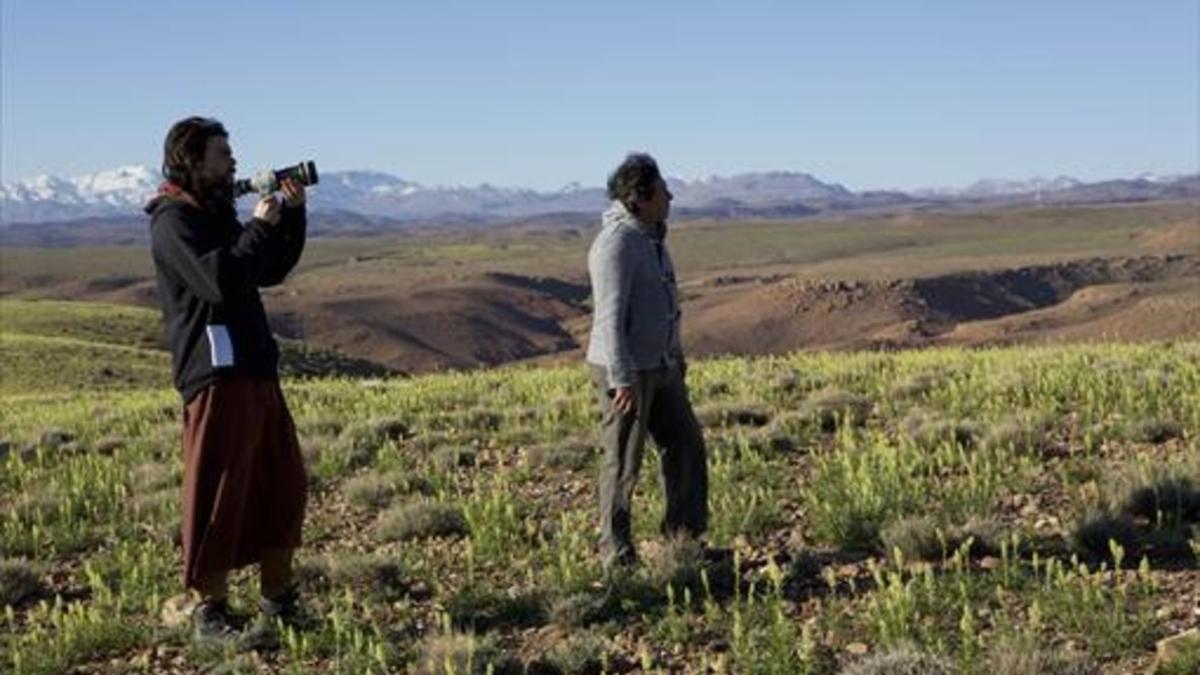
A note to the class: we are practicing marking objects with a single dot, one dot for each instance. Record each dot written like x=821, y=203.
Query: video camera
x=266, y=182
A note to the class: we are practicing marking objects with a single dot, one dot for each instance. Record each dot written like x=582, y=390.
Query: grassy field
x=997, y=511
x=75, y=346
x=59, y=346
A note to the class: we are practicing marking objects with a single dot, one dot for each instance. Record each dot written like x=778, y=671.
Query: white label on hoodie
x=220, y=346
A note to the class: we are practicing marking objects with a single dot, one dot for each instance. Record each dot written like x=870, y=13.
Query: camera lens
x=304, y=173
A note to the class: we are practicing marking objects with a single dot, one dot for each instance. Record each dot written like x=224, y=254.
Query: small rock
x=177, y=611
x=989, y=562
x=56, y=438
x=419, y=591
x=857, y=648
x=1043, y=523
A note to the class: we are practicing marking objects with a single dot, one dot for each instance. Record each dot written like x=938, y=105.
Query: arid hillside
x=443, y=300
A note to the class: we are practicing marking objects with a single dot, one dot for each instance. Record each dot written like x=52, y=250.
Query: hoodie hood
x=618, y=214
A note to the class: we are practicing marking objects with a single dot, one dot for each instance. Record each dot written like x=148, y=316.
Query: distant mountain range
x=367, y=197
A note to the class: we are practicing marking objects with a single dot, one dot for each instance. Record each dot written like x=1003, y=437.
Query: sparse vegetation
x=460, y=654
x=407, y=545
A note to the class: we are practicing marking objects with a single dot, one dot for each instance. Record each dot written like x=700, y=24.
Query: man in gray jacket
x=637, y=363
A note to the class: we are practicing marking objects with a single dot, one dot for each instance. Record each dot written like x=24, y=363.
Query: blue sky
x=870, y=94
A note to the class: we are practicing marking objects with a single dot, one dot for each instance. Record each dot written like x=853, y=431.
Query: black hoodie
x=209, y=270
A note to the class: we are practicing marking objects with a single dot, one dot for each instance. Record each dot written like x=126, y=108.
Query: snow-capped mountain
x=121, y=192
x=108, y=193
x=755, y=188
x=124, y=190
x=995, y=187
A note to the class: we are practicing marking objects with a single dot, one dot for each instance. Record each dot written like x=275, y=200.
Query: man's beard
x=216, y=195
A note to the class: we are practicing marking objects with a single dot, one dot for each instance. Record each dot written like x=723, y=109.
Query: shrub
x=577, y=655
x=19, y=580
x=717, y=416
x=381, y=575
x=834, y=407
x=450, y=457
x=902, y=662
x=461, y=654
x=571, y=455
x=484, y=610
x=1020, y=660
x=421, y=520
x=1095, y=530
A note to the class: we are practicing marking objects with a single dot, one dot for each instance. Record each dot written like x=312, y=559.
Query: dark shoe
x=211, y=625
x=621, y=563
x=274, y=616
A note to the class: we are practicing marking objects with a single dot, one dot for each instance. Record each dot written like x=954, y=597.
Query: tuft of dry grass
x=1011, y=659
x=731, y=415
x=19, y=581
x=571, y=455
x=923, y=538
x=902, y=662
x=381, y=575
x=421, y=519
x=462, y=654
x=832, y=407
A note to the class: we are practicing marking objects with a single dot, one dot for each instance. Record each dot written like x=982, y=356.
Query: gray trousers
x=663, y=411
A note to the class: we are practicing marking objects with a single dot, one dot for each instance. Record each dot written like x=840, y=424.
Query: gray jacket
x=635, y=319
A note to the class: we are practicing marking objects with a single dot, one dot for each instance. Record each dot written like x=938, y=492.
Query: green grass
x=407, y=545
x=90, y=322
x=51, y=346
x=57, y=346
x=35, y=364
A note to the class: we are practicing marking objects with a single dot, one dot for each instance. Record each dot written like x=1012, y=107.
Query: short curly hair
x=634, y=179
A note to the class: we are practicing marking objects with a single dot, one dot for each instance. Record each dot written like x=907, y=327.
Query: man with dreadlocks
x=244, y=480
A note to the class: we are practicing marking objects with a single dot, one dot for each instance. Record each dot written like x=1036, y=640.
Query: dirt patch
x=481, y=320
x=1176, y=237
x=1099, y=297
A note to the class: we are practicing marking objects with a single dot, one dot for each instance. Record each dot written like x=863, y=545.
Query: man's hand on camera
x=293, y=193
x=268, y=209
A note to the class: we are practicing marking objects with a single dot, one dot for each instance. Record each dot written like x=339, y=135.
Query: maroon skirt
x=244, y=486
